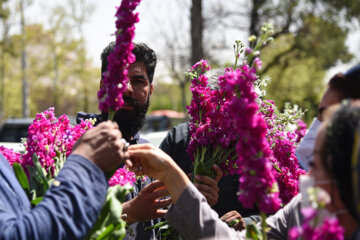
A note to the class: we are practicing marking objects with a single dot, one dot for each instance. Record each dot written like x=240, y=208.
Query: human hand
x=146, y=159
x=103, y=146
x=147, y=204
x=208, y=186
x=234, y=220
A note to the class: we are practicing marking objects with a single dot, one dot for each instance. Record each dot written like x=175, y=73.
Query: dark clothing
x=175, y=144
x=68, y=210
x=136, y=229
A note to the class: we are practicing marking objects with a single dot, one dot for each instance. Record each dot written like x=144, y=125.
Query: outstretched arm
x=73, y=203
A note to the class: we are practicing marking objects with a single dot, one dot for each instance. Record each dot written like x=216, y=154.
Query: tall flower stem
x=263, y=225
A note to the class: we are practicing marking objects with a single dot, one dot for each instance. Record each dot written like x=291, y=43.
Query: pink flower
x=122, y=177
x=11, y=155
x=227, y=119
x=49, y=137
x=308, y=213
x=258, y=63
x=115, y=78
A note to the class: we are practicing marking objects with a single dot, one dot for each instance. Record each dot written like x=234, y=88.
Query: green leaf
x=105, y=232
x=40, y=172
x=37, y=200
x=253, y=232
x=21, y=176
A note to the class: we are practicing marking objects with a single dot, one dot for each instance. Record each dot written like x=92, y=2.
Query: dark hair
x=336, y=151
x=142, y=54
x=348, y=84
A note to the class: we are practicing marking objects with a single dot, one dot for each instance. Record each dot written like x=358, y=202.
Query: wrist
x=175, y=181
x=126, y=213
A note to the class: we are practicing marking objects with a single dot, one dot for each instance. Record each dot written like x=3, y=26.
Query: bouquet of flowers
x=49, y=141
x=233, y=126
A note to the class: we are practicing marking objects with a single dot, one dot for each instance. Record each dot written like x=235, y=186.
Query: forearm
x=194, y=218
x=175, y=181
x=69, y=209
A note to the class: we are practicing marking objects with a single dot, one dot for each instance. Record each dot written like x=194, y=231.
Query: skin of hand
x=103, y=146
x=234, y=220
x=146, y=159
x=147, y=204
x=208, y=186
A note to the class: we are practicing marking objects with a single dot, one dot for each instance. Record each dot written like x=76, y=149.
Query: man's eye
x=312, y=164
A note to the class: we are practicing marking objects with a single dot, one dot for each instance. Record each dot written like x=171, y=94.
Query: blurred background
x=50, y=50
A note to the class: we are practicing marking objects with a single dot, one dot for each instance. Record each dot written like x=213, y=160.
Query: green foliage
x=294, y=79
x=110, y=224
x=166, y=231
x=21, y=176
x=68, y=93
x=168, y=96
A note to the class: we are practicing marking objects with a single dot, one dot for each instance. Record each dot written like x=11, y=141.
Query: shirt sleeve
x=69, y=208
x=284, y=219
x=194, y=219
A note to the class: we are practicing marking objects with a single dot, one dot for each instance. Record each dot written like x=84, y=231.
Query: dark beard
x=130, y=121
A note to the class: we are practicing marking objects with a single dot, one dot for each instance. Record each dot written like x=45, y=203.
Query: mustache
x=131, y=101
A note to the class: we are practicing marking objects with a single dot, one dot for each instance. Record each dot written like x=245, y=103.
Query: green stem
x=263, y=226
x=111, y=115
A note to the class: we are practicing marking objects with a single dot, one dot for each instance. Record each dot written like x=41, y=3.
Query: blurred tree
x=196, y=31
x=167, y=96
x=41, y=63
x=23, y=4
x=4, y=14
x=80, y=12
x=305, y=30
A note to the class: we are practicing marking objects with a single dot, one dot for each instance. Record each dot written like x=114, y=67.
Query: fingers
x=219, y=173
x=209, y=193
x=163, y=203
x=207, y=181
x=145, y=146
x=160, y=213
x=154, y=185
x=230, y=214
x=234, y=220
x=211, y=199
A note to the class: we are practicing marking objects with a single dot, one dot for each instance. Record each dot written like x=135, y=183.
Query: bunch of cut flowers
x=50, y=139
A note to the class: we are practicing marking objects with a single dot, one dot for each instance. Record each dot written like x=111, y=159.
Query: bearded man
x=144, y=205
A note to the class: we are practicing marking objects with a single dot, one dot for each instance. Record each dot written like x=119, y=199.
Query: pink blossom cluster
x=227, y=119
x=210, y=127
x=330, y=229
x=115, y=78
x=49, y=137
x=257, y=181
x=300, y=130
x=11, y=155
x=283, y=144
x=122, y=176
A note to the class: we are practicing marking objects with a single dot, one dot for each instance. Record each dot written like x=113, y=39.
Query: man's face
x=329, y=98
x=131, y=116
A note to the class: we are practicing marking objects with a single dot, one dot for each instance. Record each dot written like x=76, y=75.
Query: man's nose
x=129, y=90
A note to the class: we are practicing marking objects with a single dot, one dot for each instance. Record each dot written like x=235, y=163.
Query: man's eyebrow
x=321, y=109
x=138, y=76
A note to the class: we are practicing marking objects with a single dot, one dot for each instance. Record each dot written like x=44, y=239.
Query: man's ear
x=101, y=83
x=151, y=88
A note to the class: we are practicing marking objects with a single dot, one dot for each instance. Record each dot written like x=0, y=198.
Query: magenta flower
x=49, y=137
x=258, y=63
x=122, y=176
x=115, y=78
x=11, y=155
x=312, y=229
x=225, y=129
x=282, y=144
